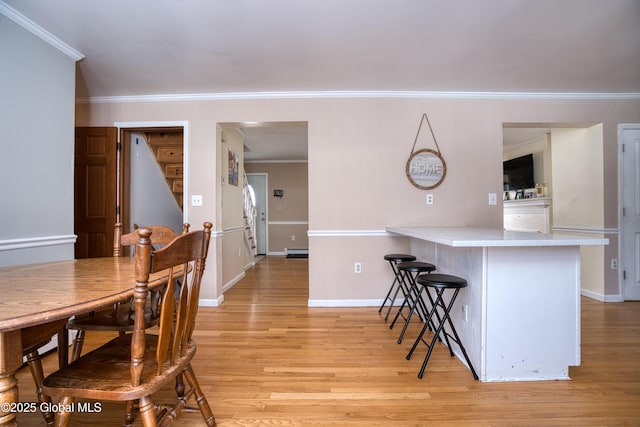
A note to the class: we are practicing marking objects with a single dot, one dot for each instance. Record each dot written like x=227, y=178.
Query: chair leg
x=201, y=400
x=147, y=412
x=129, y=416
x=180, y=386
x=63, y=419
x=77, y=345
x=35, y=366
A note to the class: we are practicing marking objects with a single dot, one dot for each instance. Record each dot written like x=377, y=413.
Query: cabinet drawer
x=170, y=154
x=174, y=170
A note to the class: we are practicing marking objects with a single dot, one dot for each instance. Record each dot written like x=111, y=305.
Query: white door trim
x=622, y=127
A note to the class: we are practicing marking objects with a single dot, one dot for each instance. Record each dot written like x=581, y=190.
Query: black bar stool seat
x=439, y=280
x=394, y=260
x=408, y=272
x=440, y=283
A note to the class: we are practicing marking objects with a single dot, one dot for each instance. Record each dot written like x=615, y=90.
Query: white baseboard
x=600, y=297
x=344, y=303
x=211, y=302
x=232, y=282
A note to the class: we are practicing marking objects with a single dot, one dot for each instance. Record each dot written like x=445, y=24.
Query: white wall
x=235, y=253
x=578, y=177
x=151, y=201
x=358, y=148
x=37, y=97
x=578, y=197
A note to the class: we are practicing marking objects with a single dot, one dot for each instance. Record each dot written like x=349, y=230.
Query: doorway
x=176, y=168
x=629, y=165
x=568, y=162
x=280, y=151
x=258, y=181
x=102, y=189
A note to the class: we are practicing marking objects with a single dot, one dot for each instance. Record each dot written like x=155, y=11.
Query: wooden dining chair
x=119, y=317
x=134, y=366
x=33, y=339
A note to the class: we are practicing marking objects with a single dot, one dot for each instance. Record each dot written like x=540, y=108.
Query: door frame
x=622, y=127
x=266, y=210
x=122, y=187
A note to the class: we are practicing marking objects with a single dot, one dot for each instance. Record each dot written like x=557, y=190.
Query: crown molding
x=230, y=96
x=38, y=31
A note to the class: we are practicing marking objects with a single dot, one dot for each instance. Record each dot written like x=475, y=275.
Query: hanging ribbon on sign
x=426, y=168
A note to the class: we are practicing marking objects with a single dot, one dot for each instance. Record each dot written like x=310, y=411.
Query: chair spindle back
x=184, y=259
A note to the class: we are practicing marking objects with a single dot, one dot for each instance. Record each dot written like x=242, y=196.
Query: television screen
x=518, y=173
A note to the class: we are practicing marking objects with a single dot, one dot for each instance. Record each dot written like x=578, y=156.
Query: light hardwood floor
x=266, y=359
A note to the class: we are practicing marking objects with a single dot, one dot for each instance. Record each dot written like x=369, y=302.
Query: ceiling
x=275, y=141
x=147, y=47
x=163, y=47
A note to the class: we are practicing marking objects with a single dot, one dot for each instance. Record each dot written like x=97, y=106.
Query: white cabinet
x=528, y=215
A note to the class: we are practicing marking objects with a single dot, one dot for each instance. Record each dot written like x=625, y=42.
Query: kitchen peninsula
x=521, y=316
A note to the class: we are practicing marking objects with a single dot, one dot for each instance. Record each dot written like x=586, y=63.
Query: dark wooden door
x=95, y=190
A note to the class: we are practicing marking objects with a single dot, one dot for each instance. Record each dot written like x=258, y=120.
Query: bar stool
x=440, y=283
x=409, y=271
x=396, y=285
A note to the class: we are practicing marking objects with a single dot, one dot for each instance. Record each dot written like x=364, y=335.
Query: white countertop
x=537, y=201
x=488, y=237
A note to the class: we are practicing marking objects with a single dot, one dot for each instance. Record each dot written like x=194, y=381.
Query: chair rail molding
x=348, y=233
x=37, y=242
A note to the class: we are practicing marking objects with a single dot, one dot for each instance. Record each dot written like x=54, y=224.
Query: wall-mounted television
x=518, y=173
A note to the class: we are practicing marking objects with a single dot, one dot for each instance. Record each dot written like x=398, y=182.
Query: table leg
x=10, y=362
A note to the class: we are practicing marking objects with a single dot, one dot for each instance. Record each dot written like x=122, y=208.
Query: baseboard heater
x=297, y=253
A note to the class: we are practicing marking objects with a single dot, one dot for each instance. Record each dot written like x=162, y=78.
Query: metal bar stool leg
x=432, y=324
x=437, y=331
x=399, y=287
x=440, y=328
x=414, y=303
x=395, y=287
x=440, y=283
x=407, y=299
x=408, y=273
x=456, y=338
x=391, y=288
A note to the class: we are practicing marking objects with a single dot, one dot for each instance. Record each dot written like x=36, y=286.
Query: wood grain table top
x=37, y=293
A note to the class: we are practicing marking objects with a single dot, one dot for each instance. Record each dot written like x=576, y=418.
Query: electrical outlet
x=614, y=263
x=357, y=267
x=196, y=200
x=429, y=199
x=293, y=238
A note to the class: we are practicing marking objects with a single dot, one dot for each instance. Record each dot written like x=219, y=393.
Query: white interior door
x=259, y=183
x=630, y=229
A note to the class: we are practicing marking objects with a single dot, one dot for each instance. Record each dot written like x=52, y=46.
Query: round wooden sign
x=426, y=169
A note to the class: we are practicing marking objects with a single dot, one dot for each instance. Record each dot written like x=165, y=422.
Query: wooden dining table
x=36, y=294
